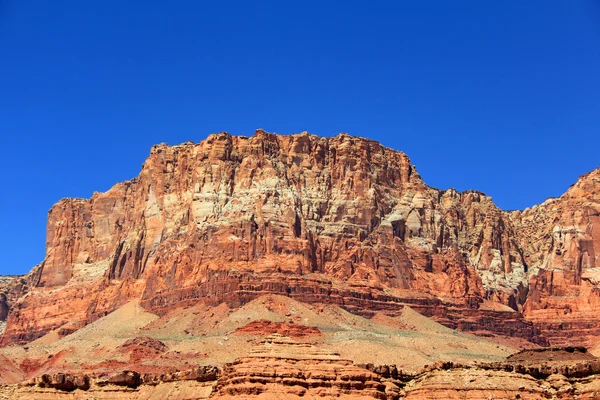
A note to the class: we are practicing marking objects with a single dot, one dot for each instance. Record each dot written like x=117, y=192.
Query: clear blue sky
x=499, y=96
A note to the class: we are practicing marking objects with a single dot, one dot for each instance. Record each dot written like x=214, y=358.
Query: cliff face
x=339, y=220
x=561, y=244
x=11, y=289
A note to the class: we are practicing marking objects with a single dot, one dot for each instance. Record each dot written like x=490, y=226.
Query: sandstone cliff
x=561, y=242
x=339, y=220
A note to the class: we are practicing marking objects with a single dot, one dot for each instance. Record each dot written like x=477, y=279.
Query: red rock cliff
x=340, y=219
x=561, y=245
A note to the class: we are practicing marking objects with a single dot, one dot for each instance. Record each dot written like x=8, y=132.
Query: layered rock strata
x=338, y=220
x=279, y=367
x=561, y=245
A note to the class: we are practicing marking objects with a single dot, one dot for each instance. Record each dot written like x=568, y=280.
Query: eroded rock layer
x=339, y=220
x=281, y=368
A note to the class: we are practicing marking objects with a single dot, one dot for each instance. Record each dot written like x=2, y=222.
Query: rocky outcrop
x=561, y=245
x=535, y=378
x=12, y=288
x=280, y=365
x=62, y=381
x=203, y=373
x=140, y=348
x=555, y=354
x=131, y=379
x=183, y=385
x=477, y=384
x=5, y=283
x=339, y=220
x=288, y=329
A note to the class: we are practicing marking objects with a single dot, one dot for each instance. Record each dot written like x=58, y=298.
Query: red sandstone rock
x=282, y=368
x=265, y=328
x=279, y=365
x=143, y=347
x=561, y=243
x=339, y=220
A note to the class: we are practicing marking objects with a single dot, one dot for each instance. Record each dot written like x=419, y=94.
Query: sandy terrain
x=205, y=335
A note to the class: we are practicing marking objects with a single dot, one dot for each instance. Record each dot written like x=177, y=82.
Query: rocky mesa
x=341, y=220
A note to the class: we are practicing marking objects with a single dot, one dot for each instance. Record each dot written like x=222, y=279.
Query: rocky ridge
x=279, y=367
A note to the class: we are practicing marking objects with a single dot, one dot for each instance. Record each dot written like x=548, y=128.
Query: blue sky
x=502, y=97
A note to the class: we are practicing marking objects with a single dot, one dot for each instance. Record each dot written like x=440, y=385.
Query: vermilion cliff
x=339, y=220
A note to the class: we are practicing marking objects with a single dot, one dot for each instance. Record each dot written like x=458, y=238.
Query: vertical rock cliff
x=561, y=244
